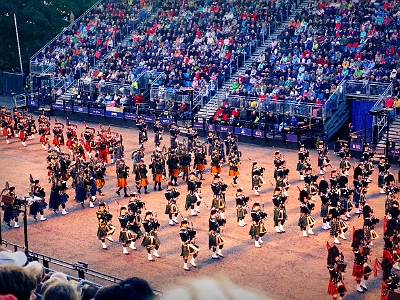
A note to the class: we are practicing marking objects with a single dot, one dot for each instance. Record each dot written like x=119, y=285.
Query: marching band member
x=219, y=188
x=22, y=132
x=141, y=177
x=122, y=175
x=214, y=238
x=305, y=214
x=323, y=159
x=241, y=205
x=257, y=229
x=336, y=268
x=361, y=269
x=158, y=131
x=39, y=204
x=171, y=208
x=185, y=161
x=11, y=210
x=135, y=206
x=174, y=133
x=6, y=124
x=302, y=159
x=158, y=170
x=323, y=188
x=193, y=196
x=200, y=161
x=105, y=229
x=337, y=228
x=279, y=210
x=173, y=167
x=256, y=182
x=142, y=126
x=58, y=132
x=150, y=239
x=216, y=160
x=188, y=239
x=234, y=162
x=192, y=136
x=126, y=236
x=390, y=281
x=383, y=168
x=99, y=175
x=369, y=224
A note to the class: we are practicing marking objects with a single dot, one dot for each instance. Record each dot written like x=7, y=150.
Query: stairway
x=394, y=135
x=211, y=107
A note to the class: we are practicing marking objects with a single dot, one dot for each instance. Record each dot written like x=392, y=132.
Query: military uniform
x=150, y=239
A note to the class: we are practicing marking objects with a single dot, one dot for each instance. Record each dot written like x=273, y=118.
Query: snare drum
x=310, y=221
x=130, y=235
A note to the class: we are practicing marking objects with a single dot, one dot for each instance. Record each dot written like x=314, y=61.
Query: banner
x=115, y=114
x=356, y=146
x=166, y=121
x=68, y=106
x=394, y=151
x=210, y=127
x=128, y=115
x=33, y=103
x=149, y=119
x=198, y=125
x=96, y=111
x=258, y=133
x=57, y=106
x=81, y=109
x=243, y=131
x=292, y=138
x=224, y=128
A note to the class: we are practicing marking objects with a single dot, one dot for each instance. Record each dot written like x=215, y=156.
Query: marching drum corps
x=82, y=163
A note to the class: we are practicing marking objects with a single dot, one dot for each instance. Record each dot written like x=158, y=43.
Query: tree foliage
x=39, y=21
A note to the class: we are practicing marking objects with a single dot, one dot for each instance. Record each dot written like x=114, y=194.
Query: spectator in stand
x=58, y=289
x=17, y=281
x=285, y=121
x=37, y=271
x=389, y=102
x=243, y=114
x=293, y=121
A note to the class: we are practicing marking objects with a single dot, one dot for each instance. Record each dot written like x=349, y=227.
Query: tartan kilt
x=149, y=241
x=174, y=172
x=215, y=169
x=276, y=214
x=381, y=180
x=302, y=221
x=167, y=209
x=275, y=174
x=320, y=161
x=122, y=237
x=334, y=227
x=101, y=232
x=299, y=166
x=5, y=131
x=358, y=270
x=233, y=173
x=122, y=183
x=254, y=230
x=42, y=139
x=343, y=203
x=367, y=233
x=324, y=211
x=157, y=177
x=212, y=241
x=42, y=205
x=333, y=289
x=185, y=169
x=200, y=167
x=241, y=212
x=144, y=181
x=100, y=183
x=136, y=229
x=185, y=250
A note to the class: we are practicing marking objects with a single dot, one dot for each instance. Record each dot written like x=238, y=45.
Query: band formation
x=81, y=162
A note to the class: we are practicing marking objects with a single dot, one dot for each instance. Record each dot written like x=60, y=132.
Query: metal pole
x=26, y=230
x=19, y=49
x=387, y=135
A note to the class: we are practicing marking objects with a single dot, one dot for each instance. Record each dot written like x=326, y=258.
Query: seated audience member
x=129, y=289
x=58, y=289
x=17, y=281
x=293, y=121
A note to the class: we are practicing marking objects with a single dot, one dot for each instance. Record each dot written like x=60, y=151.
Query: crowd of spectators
x=330, y=41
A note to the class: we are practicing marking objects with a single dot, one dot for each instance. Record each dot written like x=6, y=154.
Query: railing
x=367, y=88
x=80, y=267
x=334, y=100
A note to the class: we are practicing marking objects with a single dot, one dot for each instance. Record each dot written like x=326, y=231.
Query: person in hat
x=17, y=258
x=173, y=167
x=142, y=126
x=105, y=229
x=257, y=229
x=234, y=162
x=151, y=240
x=157, y=167
x=171, y=208
x=188, y=240
x=362, y=253
x=193, y=196
x=241, y=205
x=303, y=157
x=257, y=177
x=122, y=176
x=192, y=136
x=174, y=133
x=126, y=235
x=135, y=207
x=305, y=219
x=11, y=210
x=216, y=161
x=278, y=199
x=38, y=204
x=215, y=239
x=200, y=160
x=219, y=188
x=336, y=268
x=158, y=131
x=141, y=177
x=185, y=161
x=99, y=175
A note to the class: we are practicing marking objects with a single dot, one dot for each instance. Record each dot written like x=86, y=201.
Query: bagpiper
x=257, y=229
x=200, y=161
x=188, y=240
x=171, y=209
x=142, y=126
x=126, y=236
x=150, y=239
x=173, y=167
x=241, y=206
x=362, y=252
x=105, y=229
x=158, y=131
x=157, y=168
x=193, y=196
x=215, y=239
x=280, y=215
x=141, y=177
x=336, y=268
x=135, y=206
x=185, y=162
x=174, y=133
x=305, y=219
x=219, y=188
x=38, y=203
x=234, y=162
x=122, y=175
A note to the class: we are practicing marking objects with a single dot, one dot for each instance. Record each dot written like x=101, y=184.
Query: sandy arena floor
x=287, y=266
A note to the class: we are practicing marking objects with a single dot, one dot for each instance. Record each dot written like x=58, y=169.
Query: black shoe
x=146, y=192
x=35, y=217
x=118, y=193
x=160, y=189
x=83, y=205
x=126, y=196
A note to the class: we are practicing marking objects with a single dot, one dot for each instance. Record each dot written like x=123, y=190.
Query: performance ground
x=288, y=266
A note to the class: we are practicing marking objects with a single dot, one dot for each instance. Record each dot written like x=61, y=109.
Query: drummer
x=11, y=206
x=38, y=203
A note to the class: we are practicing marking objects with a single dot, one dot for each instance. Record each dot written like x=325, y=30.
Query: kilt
x=343, y=203
x=87, y=146
x=187, y=250
x=157, y=177
x=151, y=240
x=358, y=270
x=185, y=169
x=144, y=182
x=234, y=173
x=381, y=180
x=69, y=142
x=136, y=229
x=333, y=288
x=42, y=139
x=22, y=136
x=299, y=166
x=55, y=141
x=218, y=203
x=388, y=254
x=215, y=169
x=334, y=227
x=200, y=167
x=241, y=212
x=367, y=233
x=356, y=198
x=63, y=198
x=127, y=236
x=122, y=183
x=257, y=230
x=302, y=221
x=320, y=161
x=279, y=214
x=5, y=131
x=101, y=232
x=175, y=172
x=42, y=204
x=275, y=174
x=324, y=211
x=167, y=209
x=214, y=240
x=103, y=155
x=190, y=199
x=100, y=183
